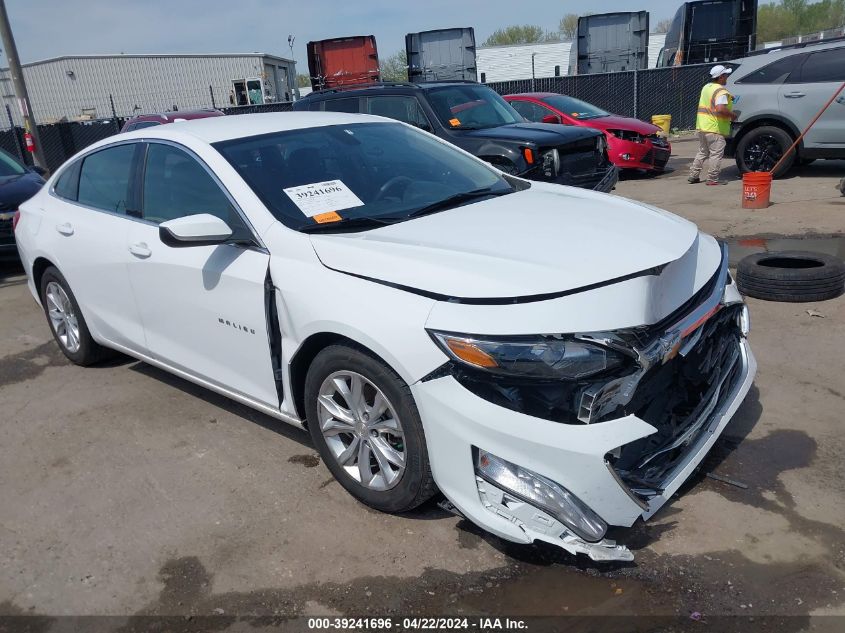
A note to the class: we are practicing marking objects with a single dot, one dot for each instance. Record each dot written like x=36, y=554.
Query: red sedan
x=632, y=144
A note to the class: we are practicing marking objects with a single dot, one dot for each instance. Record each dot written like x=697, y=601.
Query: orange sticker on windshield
x=323, y=218
x=454, y=122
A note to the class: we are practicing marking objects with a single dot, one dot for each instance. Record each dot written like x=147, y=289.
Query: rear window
x=9, y=166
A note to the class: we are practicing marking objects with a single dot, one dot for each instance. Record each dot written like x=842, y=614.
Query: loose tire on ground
x=791, y=276
x=757, y=136
x=88, y=351
x=416, y=484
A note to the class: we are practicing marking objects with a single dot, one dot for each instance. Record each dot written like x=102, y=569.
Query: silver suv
x=778, y=93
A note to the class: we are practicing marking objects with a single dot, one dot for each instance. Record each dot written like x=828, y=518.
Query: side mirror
x=202, y=229
x=39, y=170
x=551, y=118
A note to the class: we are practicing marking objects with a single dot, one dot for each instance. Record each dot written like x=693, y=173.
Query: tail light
x=16, y=219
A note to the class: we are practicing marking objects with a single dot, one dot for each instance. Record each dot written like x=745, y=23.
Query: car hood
x=540, y=133
x=614, y=122
x=543, y=240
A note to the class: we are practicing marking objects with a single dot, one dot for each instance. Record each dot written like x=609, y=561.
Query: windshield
x=381, y=172
x=9, y=166
x=575, y=108
x=471, y=107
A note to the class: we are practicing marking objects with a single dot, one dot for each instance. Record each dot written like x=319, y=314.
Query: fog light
x=626, y=157
x=744, y=321
x=542, y=493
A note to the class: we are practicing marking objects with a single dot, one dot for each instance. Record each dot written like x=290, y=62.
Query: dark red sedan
x=632, y=144
x=148, y=120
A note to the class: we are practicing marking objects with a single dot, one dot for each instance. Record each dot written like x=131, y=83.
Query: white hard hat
x=719, y=70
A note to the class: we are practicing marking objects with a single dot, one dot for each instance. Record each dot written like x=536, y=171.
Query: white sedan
x=554, y=361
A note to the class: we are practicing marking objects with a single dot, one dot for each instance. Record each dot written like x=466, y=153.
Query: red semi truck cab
x=343, y=61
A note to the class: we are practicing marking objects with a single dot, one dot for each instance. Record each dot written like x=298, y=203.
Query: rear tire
x=66, y=321
x=761, y=149
x=366, y=427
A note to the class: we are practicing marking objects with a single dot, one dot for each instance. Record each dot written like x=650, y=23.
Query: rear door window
x=67, y=185
x=823, y=66
x=774, y=73
x=350, y=105
x=105, y=177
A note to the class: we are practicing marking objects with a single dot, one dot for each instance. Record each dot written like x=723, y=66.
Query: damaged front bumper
x=591, y=460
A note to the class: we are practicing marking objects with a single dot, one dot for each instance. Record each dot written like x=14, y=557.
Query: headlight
x=551, y=163
x=628, y=135
x=542, y=357
x=542, y=493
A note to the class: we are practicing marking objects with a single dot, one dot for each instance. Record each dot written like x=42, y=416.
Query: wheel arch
x=773, y=120
x=305, y=355
x=39, y=266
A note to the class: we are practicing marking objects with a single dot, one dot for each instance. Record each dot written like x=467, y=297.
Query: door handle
x=140, y=249
x=794, y=95
x=65, y=229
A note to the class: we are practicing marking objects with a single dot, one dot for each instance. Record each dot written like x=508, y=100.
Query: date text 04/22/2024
x=413, y=624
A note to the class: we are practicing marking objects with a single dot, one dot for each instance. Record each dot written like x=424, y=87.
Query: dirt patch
x=30, y=364
x=309, y=461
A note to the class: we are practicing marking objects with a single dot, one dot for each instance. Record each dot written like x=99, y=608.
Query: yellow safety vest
x=708, y=119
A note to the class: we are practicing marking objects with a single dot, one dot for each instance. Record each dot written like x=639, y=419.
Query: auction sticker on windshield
x=323, y=197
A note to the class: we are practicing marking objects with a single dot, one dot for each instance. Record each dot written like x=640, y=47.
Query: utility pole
x=15, y=71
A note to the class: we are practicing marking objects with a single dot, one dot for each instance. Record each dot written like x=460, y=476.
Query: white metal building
x=79, y=86
x=507, y=63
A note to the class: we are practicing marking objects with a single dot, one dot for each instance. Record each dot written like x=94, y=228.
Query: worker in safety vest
x=715, y=113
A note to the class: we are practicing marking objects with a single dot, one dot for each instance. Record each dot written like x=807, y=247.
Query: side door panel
x=92, y=220
x=203, y=307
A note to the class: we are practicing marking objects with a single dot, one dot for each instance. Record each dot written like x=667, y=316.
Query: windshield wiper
x=344, y=225
x=454, y=201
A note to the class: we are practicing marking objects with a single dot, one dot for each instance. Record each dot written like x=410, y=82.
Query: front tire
x=66, y=321
x=762, y=148
x=366, y=427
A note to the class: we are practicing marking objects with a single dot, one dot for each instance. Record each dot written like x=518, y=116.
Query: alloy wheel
x=763, y=153
x=362, y=430
x=62, y=317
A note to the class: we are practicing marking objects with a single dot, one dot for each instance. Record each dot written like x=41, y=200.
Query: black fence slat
x=640, y=94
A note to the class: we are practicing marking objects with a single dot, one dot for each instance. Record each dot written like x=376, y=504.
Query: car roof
x=387, y=86
x=764, y=57
x=224, y=128
x=534, y=95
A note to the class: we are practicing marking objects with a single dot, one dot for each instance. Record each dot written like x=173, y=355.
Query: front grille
x=678, y=398
x=6, y=229
x=658, y=141
x=578, y=163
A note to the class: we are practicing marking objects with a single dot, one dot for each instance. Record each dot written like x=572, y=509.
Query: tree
x=663, y=26
x=525, y=34
x=303, y=81
x=776, y=21
x=568, y=27
x=395, y=67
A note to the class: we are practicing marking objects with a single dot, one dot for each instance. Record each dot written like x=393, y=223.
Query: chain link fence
x=60, y=141
x=639, y=93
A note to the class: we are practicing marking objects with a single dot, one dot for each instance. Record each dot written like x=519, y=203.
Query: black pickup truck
x=476, y=119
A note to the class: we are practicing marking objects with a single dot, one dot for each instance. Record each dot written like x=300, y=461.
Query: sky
x=51, y=28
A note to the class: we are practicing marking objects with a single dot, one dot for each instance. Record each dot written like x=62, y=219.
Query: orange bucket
x=756, y=187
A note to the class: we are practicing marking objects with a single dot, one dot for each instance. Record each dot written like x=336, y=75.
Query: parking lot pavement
x=125, y=490
x=807, y=201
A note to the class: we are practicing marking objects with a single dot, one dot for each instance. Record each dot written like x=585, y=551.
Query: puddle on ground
x=739, y=247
